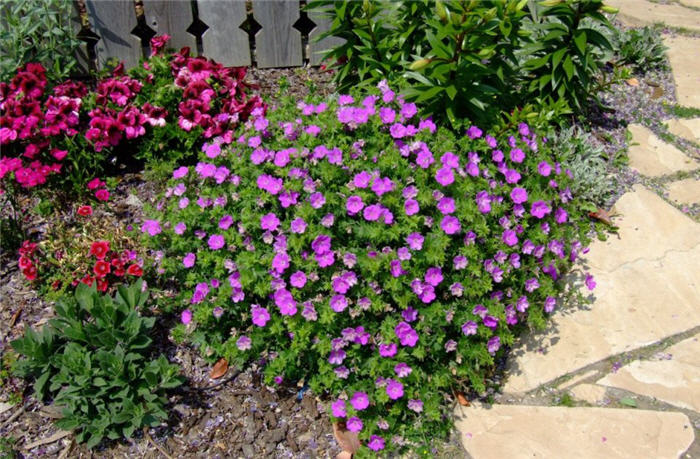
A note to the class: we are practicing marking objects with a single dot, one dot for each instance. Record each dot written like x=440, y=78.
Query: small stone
x=652, y=157
x=689, y=129
x=632, y=82
x=683, y=55
x=686, y=191
x=248, y=450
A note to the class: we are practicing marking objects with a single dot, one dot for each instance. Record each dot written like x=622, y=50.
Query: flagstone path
x=625, y=369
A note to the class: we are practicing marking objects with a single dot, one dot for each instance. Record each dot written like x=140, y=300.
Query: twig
x=67, y=449
x=13, y=417
x=44, y=441
x=158, y=447
x=15, y=316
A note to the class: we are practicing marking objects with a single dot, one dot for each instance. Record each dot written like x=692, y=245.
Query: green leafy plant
x=642, y=48
x=93, y=361
x=38, y=31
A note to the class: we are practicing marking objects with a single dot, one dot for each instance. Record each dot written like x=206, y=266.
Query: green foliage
x=471, y=59
x=588, y=162
x=679, y=111
x=642, y=48
x=93, y=360
x=38, y=31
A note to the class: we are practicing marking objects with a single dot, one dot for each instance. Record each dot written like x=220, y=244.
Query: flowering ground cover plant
x=158, y=111
x=368, y=254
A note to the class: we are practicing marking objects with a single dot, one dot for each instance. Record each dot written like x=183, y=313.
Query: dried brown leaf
x=632, y=82
x=220, y=369
x=602, y=215
x=462, y=399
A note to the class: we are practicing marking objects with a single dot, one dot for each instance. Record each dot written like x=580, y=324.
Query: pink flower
x=415, y=241
x=560, y=215
x=372, y=213
x=415, y=405
x=387, y=350
x=361, y=179
x=394, y=389
x=243, y=343
x=406, y=334
x=544, y=168
x=510, y=238
x=359, y=401
x=186, y=316
x=298, y=279
x=354, y=204
x=269, y=222
x=433, y=276
x=493, y=344
x=260, y=316
x=590, y=282
x=338, y=408
x=339, y=303
x=180, y=172
x=216, y=241
x=402, y=370
x=411, y=206
x=469, y=328
x=450, y=225
x=446, y=205
x=189, y=260
x=518, y=195
x=298, y=226
x=152, y=227
x=95, y=183
x=539, y=209
x=354, y=424
x=102, y=195
x=444, y=176
x=517, y=155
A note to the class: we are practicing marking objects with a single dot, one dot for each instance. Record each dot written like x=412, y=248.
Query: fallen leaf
x=15, y=316
x=601, y=215
x=657, y=93
x=220, y=369
x=462, y=399
x=347, y=440
x=633, y=82
x=627, y=401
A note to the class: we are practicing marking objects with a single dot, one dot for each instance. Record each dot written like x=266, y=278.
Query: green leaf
x=627, y=401
x=580, y=41
x=569, y=67
x=557, y=57
x=451, y=91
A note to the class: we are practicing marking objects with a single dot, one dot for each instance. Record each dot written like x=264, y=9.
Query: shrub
x=38, y=31
x=362, y=251
x=93, y=360
x=642, y=48
x=160, y=111
x=468, y=59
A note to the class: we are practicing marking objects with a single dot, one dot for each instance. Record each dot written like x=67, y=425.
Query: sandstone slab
x=643, y=12
x=687, y=128
x=674, y=379
x=690, y=3
x=683, y=55
x=686, y=191
x=511, y=431
x=576, y=379
x=653, y=157
x=590, y=393
x=648, y=289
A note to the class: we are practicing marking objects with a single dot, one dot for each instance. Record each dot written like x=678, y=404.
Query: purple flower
x=188, y=260
x=387, y=115
x=321, y=244
x=415, y=241
x=493, y=344
x=359, y=401
x=490, y=321
x=152, y=227
x=444, y=176
x=450, y=225
x=180, y=172
x=539, y=209
x=361, y=179
x=372, y=213
x=394, y=389
x=354, y=424
x=339, y=303
x=450, y=160
x=560, y=215
x=216, y=241
x=336, y=357
x=512, y=176
x=375, y=443
x=590, y=282
x=243, y=343
x=409, y=314
x=510, y=238
x=544, y=169
x=387, y=350
x=406, y=334
x=518, y=195
x=549, y=304
x=354, y=204
x=517, y=155
x=531, y=284
x=450, y=345
x=402, y=370
x=424, y=159
x=397, y=130
x=469, y=328
x=433, y=276
x=325, y=259
x=411, y=206
x=298, y=226
x=338, y=408
x=260, y=315
x=415, y=405
x=285, y=302
x=186, y=316
x=280, y=262
x=446, y=205
x=483, y=202
x=269, y=222
x=298, y=279
x=317, y=200
x=474, y=132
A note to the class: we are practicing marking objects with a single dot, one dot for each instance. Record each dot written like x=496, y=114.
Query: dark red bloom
x=135, y=270
x=30, y=272
x=101, y=268
x=102, y=195
x=99, y=249
x=25, y=262
x=87, y=280
x=102, y=285
x=85, y=211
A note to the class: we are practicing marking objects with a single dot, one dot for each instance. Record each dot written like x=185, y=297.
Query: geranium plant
x=367, y=253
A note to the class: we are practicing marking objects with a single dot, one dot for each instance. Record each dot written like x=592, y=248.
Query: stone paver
x=648, y=289
x=643, y=12
x=686, y=191
x=686, y=128
x=590, y=393
x=653, y=157
x=674, y=378
x=683, y=54
x=575, y=380
x=510, y=431
x=692, y=3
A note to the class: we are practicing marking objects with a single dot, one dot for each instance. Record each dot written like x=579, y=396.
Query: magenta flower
x=387, y=350
x=298, y=279
x=285, y=302
x=152, y=227
x=280, y=262
x=225, y=222
x=406, y=334
x=444, y=176
x=354, y=204
x=433, y=276
x=260, y=316
x=415, y=405
x=338, y=408
x=339, y=303
x=415, y=241
x=243, y=343
x=361, y=179
x=180, y=172
x=298, y=226
x=446, y=205
x=512, y=176
x=321, y=244
x=469, y=328
x=474, y=132
x=325, y=259
x=354, y=424
x=372, y=213
x=493, y=344
x=517, y=155
x=375, y=443
x=186, y=316
x=411, y=206
x=402, y=370
x=518, y=195
x=560, y=215
x=180, y=228
x=450, y=225
x=387, y=115
x=590, y=282
x=539, y=209
x=216, y=241
x=510, y=238
x=359, y=401
x=394, y=389
x=269, y=222
x=544, y=168
x=549, y=304
x=188, y=260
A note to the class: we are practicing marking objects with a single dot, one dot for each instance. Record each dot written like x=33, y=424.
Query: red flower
x=99, y=249
x=56, y=284
x=119, y=272
x=30, y=272
x=27, y=248
x=102, y=195
x=85, y=211
x=24, y=262
x=101, y=268
x=102, y=285
x=135, y=270
x=94, y=184
x=87, y=280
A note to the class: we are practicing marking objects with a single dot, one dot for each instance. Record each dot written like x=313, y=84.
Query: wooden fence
x=265, y=33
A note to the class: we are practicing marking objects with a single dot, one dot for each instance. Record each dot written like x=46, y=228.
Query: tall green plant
x=38, y=31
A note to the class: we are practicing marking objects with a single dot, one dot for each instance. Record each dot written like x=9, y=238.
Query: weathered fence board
x=224, y=41
x=172, y=17
x=81, y=53
x=113, y=21
x=316, y=48
x=277, y=44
